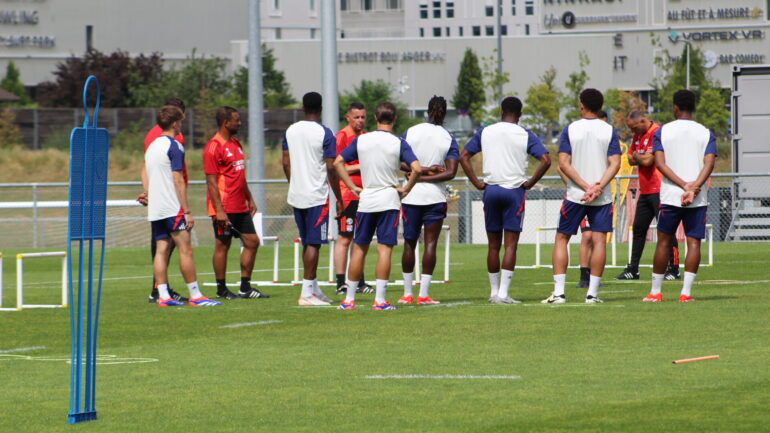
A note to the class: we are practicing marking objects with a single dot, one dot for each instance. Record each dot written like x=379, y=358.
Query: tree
x=711, y=112
x=117, y=73
x=620, y=103
x=575, y=85
x=542, y=106
x=277, y=92
x=469, y=95
x=12, y=83
x=493, y=83
x=10, y=134
x=371, y=93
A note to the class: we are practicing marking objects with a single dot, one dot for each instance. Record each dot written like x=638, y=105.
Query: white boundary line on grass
x=23, y=349
x=439, y=376
x=100, y=359
x=241, y=325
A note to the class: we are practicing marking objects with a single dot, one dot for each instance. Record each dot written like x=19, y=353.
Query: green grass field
x=588, y=368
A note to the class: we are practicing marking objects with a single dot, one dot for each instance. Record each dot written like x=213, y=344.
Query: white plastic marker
x=700, y=358
x=241, y=325
x=441, y=376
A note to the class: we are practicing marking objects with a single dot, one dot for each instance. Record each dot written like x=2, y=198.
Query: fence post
x=36, y=131
x=34, y=216
x=115, y=121
x=468, y=227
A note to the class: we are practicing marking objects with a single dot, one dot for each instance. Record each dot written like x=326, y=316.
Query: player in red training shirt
x=356, y=117
x=648, y=202
x=154, y=133
x=230, y=204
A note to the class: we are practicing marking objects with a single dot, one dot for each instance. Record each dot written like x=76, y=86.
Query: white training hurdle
x=709, y=240
x=20, y=280
x=331, y=281
x=276, y=268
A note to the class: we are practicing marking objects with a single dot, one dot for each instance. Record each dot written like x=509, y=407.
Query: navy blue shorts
x=385, y=223
x=417, y=216
x=693, y=219
x=162, y=229
x=503, y=208
x=599, y=217
x=313, y=224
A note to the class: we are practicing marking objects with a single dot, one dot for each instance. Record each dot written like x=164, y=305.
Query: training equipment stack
x=89, y=151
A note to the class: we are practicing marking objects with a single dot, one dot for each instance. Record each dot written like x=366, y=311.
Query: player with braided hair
x=426, y=204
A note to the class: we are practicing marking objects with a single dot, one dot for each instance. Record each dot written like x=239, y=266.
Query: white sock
x=382, y=288
x=558, y=284
x=505, y=281
x=408, y=280
x=494, y=283
x=163, y=291
x=425, y=285
x=657, y=283
x=307, y=288
x=317, y=289
x=195, y=292
x=689, y=278
x=593, y=286
x=350, y=295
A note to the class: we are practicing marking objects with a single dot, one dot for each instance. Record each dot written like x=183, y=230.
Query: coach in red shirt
x=154, y=133
x=230, y=204
x=648, y=202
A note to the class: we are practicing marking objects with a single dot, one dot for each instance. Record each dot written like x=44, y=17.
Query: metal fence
x=34, y=215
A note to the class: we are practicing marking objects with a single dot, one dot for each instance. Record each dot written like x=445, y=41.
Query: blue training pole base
x=74, y=418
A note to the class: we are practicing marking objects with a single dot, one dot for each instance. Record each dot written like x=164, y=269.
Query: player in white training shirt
x=685, y=152
x=506, y=147
x=379, y=154
x=426, y=205
x=168, y=209
x=589, y=156
x=308, y=154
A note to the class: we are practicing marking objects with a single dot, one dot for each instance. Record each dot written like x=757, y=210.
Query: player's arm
x=216, y=199
x=631, y=156
x=249, y=199
x=437, y=173
x=408, y=156
x=472, y=147
x=334, y=183
x=286, y=161
x=181, y=193
x=142, y=198
x=644, y=159
x=565, y=165
x=536, y=149
x=339, y=166
x=561, y=173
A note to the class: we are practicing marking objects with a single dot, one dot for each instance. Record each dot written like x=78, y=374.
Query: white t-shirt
x=432, y=145
x=506, y=148
x=308, y=143
x=162, y=156
x=379, y=155
x=590, y=142
x=685, y=143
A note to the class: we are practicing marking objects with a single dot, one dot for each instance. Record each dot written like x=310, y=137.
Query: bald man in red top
x=356, y=117
x=154, y=133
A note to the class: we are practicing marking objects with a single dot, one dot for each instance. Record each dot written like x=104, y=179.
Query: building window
x=460, y=31
x=436, y=32
x=436, y=13
x=476, y=30
x=424, y=11
x=526, y=29
x=366, y=5
x=437, y=4
x=450, y=9
x=503, y=30
x=422, y=32
x=392, y=4
x=312, y=5
x=276, y=5
x=529, y=7
x=278, y=33
x=312, y=33
x=490, y=11
x=343, y=5
x=513, y=7
x=490, y=30
x=447, y=32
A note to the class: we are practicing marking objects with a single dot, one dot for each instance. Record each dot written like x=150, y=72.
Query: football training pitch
x=266, y=365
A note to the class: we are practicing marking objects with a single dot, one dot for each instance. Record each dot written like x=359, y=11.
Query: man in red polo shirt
x=640, y=154
x=356, y=117
x=230, y=204
x=154, y=133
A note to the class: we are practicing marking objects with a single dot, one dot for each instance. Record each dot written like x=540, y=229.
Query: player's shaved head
x=685, y=100
x=385, y=113
x=355, y=105
x=167, y=115
x=224, y=114
x=511, y=105
x=312, y=103
x=592, y=100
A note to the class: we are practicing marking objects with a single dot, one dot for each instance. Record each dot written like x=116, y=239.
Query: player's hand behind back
x=142, y=199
